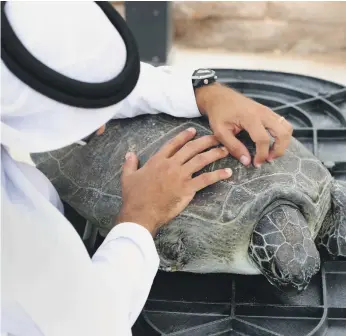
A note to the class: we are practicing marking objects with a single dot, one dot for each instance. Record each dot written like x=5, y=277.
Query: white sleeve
x=129, y=262
x=161, y=89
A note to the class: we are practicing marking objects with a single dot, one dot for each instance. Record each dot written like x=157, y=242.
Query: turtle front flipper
x=332, y=235
x=283, y=249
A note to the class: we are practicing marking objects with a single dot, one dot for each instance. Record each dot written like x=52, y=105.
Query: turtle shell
x=213, y=233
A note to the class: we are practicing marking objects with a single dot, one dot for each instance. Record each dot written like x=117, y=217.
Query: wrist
x=140, y=218
x=205, y=96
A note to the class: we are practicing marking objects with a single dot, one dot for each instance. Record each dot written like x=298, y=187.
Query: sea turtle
x=262, y=220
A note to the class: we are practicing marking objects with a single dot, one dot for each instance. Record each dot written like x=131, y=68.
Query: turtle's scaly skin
x=213, y=233
x=333, y=232
x=283, y=249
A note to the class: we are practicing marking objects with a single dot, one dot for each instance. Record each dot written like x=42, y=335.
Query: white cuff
x=141, y=237
x=161, y=90
x=180, y=92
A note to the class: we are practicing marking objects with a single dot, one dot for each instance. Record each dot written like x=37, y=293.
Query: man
x=68, y=68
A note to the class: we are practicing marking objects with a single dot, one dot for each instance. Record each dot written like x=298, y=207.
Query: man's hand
x=163, y=187
x=230, y=112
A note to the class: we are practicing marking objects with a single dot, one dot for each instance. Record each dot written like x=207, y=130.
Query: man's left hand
x=230, y=112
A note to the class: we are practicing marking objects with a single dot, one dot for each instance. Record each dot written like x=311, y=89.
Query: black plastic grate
x=223, y=304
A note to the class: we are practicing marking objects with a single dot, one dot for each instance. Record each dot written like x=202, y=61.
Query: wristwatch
x=203, y=77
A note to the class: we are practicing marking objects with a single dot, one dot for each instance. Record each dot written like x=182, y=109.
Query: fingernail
x=128, y=156
x=244, y=160
x=228, y=171
x=258, y=165
x=191, y=130
x=224, y=149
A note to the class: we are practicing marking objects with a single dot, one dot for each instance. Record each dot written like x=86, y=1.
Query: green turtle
x=265, y=220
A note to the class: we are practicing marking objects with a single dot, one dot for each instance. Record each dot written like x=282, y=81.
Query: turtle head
x=283, y=249
x=332, y=235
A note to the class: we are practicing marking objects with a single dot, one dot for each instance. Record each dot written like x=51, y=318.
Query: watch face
x=203, y=73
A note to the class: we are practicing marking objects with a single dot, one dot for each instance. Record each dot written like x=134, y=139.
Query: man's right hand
x=163, y=187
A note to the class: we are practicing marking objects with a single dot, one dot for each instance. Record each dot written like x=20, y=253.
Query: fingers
x=201, y=160
x=172, y=146
x=282, y=131
x=192, y=148
x=261, y=138
x=234, y=146
x=130, y=165
x=204, y=180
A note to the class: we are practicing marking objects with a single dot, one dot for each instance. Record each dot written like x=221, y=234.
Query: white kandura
x=50, y=286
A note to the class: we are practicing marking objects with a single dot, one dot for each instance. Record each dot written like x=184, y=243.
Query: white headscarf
x=76, y=40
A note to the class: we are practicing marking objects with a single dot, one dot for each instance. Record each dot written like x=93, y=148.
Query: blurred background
x=305, y=37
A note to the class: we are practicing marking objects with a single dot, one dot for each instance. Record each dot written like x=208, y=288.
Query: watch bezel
x=211, y=74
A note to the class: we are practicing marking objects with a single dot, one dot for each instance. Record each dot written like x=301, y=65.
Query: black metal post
x=151, y=24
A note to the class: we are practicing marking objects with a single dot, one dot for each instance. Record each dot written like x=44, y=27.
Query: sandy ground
x=329, y=68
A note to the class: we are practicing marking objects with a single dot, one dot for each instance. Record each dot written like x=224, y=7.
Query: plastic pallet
x=224, y=304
